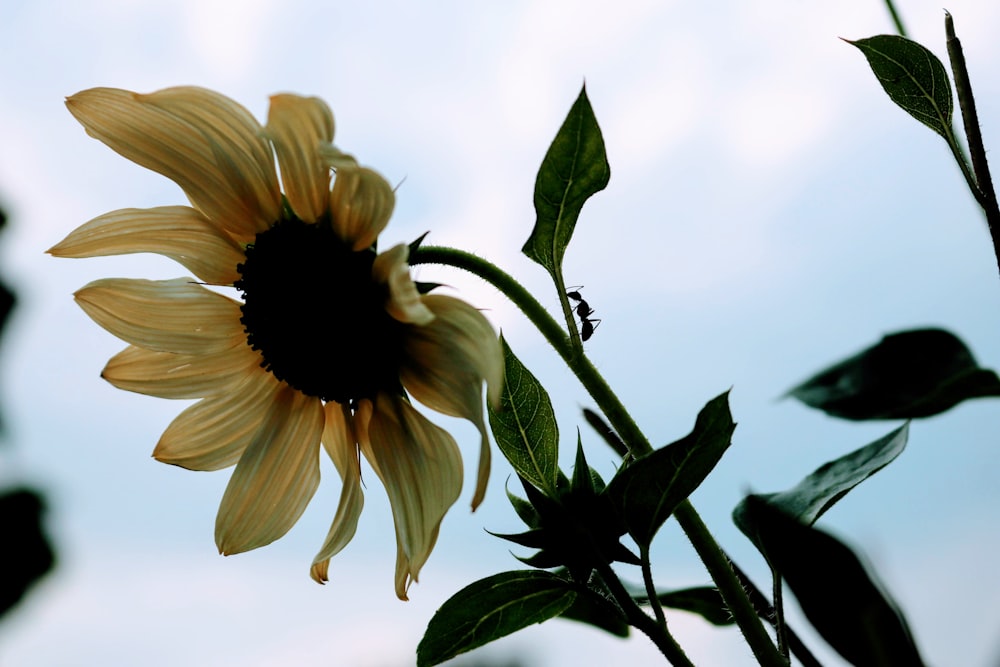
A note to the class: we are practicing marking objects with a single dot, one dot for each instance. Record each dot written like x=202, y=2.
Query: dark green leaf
x=525, y=426
x=574, y=168
x=492, y=608
x=598, y=610
x=913, y=77
x=702, y=600
x=909, y=374
x=835, y=590
x=647, y=491
x=524, y=510
x=815, y=494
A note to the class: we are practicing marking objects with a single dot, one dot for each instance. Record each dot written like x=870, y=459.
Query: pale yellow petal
x=404, y=303
x=205, y=142
x=163, y=315
x=298, y=126
x=446, y=363
x=178, y=232
x=214, y=432
x=170, y=375
x=276, y=476
x=421, y=468
x=361, y=204
x=342, y=446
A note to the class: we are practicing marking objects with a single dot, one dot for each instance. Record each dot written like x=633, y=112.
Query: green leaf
x=835, y=591
x=525, y=425
x=908, y=374
x=575, y=167
x=913, y=77
x=647, y=491
x=492, y=608
x=599, y=611
x=815, y=494
x=706, y=601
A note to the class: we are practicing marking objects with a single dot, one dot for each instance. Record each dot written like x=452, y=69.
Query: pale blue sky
x=769, y=212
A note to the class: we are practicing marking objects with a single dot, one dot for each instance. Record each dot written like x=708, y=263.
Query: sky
x=769, y=212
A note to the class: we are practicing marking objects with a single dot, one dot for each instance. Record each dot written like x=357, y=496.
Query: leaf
x=815, y=494
x=835, y=590
x=913, y=77
x=594, y=609
x=706, y=601
x=525, y=425
x=647, y=491
x=908, y=374
x=492, y=608
x=575, y=167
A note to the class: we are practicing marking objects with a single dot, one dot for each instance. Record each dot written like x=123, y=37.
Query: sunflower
x=329, y=341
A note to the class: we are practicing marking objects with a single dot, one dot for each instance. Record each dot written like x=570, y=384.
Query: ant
x=584, y=312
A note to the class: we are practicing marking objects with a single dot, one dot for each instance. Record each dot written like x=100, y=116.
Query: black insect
x=583, y=310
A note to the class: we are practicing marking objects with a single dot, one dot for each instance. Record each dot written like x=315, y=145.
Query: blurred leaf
x=492, y=608
x=834, y=590
x=647, y=491
x=606, y=432
x=28, y=556
x=815, y=494
x=909, y=374
x=525, y=426
x=575, y=167
x=706, y=601
x=913, y=77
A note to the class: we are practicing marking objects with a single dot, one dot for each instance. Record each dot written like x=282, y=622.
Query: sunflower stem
x=715, y=560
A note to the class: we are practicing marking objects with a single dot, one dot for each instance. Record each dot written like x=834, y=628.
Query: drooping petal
x=361, y=204
x=179, y=232
x=421, y=468
x=170, y=375
x=163, y=315
x=214, y=432
x=276, y=476
x=404, y=304
x=205, y=142
x=446, y=362
x=342, y=446
x=298, y=126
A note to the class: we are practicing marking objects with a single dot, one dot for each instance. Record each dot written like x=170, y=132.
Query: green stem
x=637, y=618
x=647, y=579
x=896, y=20
x=704, y=543
x=982, y=184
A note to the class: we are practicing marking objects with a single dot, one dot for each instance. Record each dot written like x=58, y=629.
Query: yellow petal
x=446, y=363
x=298, y=126
x=178, y=232
x=170, y=375
x=361, y=204
x=276, y=476
x=421, y=468
x=163, y=315
x=205, y=142
x=342, y=446
x=404, y=303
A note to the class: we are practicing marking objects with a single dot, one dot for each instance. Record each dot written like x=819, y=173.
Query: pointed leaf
x=647, y=491
x=492, y=608
x=908, y=374
x=596, y=608
x=574, y=168
x=525, y=426
x=835, y=590
x=815, y=494
x=913, y=77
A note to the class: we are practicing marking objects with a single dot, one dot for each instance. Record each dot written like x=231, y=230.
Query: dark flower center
x=314, y=313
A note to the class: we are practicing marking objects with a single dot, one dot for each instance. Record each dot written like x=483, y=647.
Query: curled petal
x=205, y=142
x=421, y=468
x=298, y=126
x=170, y=375
x=342, y=446
x=361, y=204
x=163, y=315
x=214, y=432
x=404, y=304
x=276, y=476
x=447, y=361
x=181, y=233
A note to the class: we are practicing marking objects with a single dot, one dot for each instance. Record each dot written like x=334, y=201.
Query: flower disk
x=316, y=316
